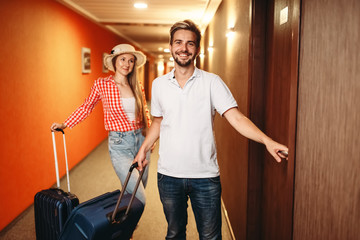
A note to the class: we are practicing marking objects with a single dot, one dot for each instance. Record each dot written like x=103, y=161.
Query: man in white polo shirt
x=184, y=103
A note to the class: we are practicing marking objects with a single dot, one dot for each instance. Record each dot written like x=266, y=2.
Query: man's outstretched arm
x=249, y=130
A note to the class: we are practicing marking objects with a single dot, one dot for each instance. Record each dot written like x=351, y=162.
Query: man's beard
x=183, y=64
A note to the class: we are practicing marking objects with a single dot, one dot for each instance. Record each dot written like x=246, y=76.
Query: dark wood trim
x=257, y=67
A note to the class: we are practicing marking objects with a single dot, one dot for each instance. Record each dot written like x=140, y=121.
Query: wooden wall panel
x=230, y=59
x=327, y=192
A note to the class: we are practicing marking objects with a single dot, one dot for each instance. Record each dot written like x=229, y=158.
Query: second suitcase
x=96, y=219
x=90, y=220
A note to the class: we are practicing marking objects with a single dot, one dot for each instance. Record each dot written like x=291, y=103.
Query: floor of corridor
x=95, y=176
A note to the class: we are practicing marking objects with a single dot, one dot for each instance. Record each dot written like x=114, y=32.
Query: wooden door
x=281, y=81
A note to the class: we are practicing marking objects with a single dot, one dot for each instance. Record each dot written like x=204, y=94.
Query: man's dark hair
x=186, y=25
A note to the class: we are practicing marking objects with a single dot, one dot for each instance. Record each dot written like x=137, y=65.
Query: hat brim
x=140, y=59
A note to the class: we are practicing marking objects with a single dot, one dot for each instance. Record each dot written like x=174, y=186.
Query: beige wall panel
x=229, y=60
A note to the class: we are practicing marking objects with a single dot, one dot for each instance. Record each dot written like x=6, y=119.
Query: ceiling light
x=140, y=5
x=166, y=50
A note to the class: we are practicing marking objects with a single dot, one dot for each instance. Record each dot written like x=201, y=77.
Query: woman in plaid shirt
x=126, y=115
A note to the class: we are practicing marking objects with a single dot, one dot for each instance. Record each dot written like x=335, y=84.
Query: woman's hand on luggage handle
x=55, y=126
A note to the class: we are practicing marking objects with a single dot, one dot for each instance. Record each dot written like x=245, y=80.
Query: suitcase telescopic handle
x=56, y=160
x=135, y=165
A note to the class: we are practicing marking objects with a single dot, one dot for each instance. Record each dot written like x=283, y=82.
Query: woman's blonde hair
x=137, y=91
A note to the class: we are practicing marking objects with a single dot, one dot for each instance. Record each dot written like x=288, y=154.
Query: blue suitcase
x=53, y=206
x=113, y=215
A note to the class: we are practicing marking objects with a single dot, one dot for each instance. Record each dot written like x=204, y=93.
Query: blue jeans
x=205, y=197
x=123, y=147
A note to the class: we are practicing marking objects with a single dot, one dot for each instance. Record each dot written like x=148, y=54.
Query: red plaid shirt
x=115, y=118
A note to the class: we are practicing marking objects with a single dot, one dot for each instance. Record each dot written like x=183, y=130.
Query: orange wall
x=40, y=83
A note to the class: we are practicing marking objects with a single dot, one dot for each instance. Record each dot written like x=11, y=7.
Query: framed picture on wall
x=85, y=60
x=104, y=68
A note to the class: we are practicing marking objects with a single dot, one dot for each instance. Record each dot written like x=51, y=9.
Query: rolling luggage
x=113, y=215
x=53, y=206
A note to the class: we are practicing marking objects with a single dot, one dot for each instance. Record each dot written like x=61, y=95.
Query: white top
x=129, y=107
x=187, y=143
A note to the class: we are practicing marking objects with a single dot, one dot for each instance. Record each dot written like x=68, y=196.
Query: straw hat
x=124, y=48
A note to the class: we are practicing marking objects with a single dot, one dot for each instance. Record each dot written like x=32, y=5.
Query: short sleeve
x=221, y=97
x=155, y=97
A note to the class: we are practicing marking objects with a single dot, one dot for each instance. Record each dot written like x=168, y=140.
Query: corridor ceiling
x=146, y=28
